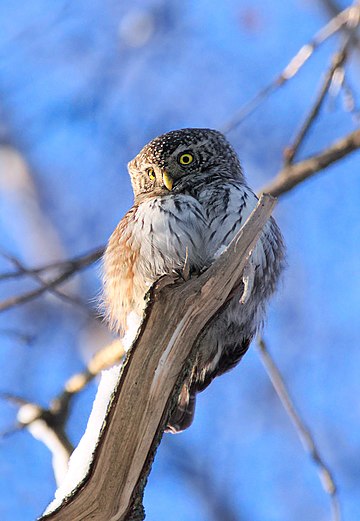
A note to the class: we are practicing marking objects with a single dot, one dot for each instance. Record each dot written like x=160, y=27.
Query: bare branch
x=22, y=270
x=337, y=62
x=295, y=64
x=294, y=174
x=303, y=432
x=47, y=426
x=69, y=268
x=79, y=262
x=106, y=357
x=334, y=10
x=114, y=487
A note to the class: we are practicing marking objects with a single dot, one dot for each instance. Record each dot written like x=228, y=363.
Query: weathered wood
x=151, y=376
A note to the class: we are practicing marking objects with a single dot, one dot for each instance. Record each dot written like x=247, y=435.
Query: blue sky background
x=83, y=86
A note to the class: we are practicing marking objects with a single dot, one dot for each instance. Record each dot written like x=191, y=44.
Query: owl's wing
x=226, y=214
x=153, y=239
x=120, y=285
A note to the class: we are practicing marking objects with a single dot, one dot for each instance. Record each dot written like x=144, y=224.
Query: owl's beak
x=168, y=181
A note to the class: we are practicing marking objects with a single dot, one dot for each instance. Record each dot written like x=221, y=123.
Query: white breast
x=168, y=230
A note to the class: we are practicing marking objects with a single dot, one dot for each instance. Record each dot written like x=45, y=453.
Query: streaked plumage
x=190, y=200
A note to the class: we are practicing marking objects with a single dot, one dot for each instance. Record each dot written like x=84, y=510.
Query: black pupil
x=186, y=159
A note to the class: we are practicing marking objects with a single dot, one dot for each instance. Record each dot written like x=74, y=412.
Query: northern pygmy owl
x=191, y=198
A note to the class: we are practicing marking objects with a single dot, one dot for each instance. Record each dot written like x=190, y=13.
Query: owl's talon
x=180, y=275
x=184, y=272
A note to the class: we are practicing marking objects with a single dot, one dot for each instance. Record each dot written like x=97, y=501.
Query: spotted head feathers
x=174, y=160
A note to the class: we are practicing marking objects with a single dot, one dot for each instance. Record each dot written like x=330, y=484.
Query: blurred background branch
x=347, y=18
x=304, y=433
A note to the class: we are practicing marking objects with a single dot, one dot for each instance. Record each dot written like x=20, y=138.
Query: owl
x=190, y=199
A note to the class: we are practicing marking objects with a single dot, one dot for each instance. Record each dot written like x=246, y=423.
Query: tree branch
x=294, y=174
x=80, y=261
x=338, y=60
x=303, y=432
x=344, y=18
x=48, y=425
x=114, y=486
x=23, y=270
x=334, y=10
x=106, y=357
x=69, y=268
x=285, y=180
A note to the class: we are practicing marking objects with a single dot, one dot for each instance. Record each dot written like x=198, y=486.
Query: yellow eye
x=186, y=158
x=151, y=174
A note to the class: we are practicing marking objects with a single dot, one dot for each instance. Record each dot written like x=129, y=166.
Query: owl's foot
x=185, y=276
x=187, y=271
x=183, y=414
x=179, y=275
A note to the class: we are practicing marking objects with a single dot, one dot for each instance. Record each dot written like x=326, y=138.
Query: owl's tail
x=183, y=415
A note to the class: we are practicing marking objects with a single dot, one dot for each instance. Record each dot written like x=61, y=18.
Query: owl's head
x=181, y=159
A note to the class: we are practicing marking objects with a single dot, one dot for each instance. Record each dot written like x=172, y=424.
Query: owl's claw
x=184, y=272
x=178, y=273
x=181, y=274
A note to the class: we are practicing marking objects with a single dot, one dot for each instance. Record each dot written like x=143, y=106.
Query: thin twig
x=303, y=432
x=56, y=415
x=69, y=268
x=337, y=61
x=334, y=9
x=250, y=106
x=57, y=293
x=106, y=357
x=293, y=67
x=80, y=261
